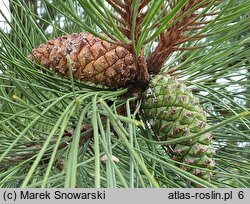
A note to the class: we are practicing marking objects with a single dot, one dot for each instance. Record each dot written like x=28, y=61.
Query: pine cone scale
x=93, y=60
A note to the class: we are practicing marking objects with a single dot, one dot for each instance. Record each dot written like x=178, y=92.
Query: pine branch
x=117, y=3
x=186, y=48
x=184, y=39
x=125, y=11
x=173, y=35
x=116, y=7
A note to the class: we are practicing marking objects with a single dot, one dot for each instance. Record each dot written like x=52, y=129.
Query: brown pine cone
x=93, y=59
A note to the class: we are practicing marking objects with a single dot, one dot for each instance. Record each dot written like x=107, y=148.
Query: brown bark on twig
x=169, y=40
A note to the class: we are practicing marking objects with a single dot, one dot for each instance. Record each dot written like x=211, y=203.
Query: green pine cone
x=174, y=112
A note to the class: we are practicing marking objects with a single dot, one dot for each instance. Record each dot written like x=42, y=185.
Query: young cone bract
x=174, y=112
